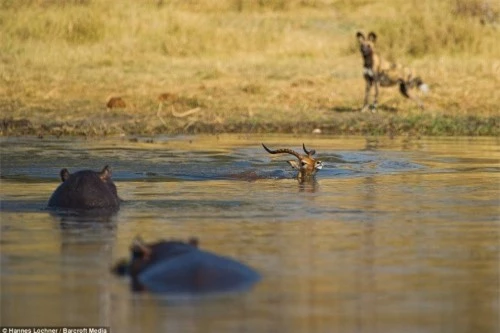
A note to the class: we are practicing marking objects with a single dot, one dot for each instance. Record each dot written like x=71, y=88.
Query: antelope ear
x=360, y=36
x=64, y=174
x=372, y=36
x=105, y=173
x=294, y=164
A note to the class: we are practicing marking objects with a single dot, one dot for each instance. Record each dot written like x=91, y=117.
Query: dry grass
x=241, y=65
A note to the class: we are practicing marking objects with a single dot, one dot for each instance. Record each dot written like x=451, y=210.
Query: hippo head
x=85, y=189
x=144, y=255
x=181, y=267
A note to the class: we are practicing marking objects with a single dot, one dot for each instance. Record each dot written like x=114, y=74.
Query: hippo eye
x=137, y=253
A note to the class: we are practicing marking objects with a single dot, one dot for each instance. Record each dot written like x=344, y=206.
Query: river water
x=396, y=235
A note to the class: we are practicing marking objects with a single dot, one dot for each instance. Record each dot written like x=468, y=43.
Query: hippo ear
x=294, y=164
x=193, y=241
x=105, y=173
x=139, y=245
x=360, y=36
x=138, y=242
x=64, y=173
x=372, y=36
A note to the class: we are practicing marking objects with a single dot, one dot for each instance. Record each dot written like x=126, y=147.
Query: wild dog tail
x=405, y=86
x=423, y=87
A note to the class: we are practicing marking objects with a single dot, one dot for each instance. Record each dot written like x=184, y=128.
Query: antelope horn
x=281, y=151
x=310, y=152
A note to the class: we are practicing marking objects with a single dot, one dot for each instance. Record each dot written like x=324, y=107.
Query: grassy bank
x=243, y=66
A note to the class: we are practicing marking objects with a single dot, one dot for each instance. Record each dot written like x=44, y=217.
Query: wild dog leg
x=367, y=95
x=375, y=100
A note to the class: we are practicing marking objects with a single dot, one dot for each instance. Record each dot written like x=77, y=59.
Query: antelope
x=379, y=72
x=307, y=165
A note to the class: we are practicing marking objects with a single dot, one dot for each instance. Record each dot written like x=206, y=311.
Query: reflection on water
x=396, y=236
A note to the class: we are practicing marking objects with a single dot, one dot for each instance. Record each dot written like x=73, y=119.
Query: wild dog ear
x=64, y=174
x=372, y=36
x=360, y=36
x=105, y=173
x=294, y=164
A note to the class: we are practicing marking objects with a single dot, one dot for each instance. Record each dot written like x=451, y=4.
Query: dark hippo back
x=85, y=189
x=177, y=267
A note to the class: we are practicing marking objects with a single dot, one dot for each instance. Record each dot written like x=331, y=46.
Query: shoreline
x=353, y=123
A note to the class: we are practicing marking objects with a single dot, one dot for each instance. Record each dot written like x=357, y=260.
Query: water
x=397, y=235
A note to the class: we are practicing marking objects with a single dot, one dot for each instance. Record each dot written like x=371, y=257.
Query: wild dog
x=380, y=72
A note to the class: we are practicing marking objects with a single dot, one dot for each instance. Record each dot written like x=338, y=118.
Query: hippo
x=179, y=267
x=86, y=190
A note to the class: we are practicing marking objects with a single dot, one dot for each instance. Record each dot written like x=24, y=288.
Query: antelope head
x=307, y=165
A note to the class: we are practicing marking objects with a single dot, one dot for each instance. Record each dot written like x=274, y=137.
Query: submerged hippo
x=181, y=267
x=86, y=189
